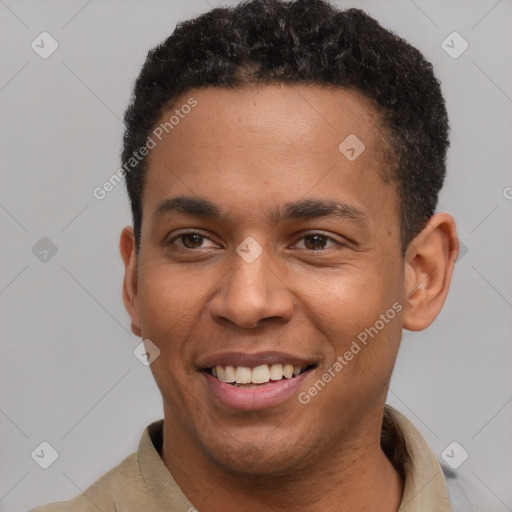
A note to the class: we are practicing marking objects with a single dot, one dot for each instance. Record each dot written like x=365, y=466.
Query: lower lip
x=249, y=399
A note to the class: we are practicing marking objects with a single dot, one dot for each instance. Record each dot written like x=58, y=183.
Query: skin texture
x=250, y=150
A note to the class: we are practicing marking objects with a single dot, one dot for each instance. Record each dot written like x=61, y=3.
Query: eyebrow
x=304, y=209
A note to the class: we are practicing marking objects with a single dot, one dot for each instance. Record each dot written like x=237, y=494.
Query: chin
x=253, y=455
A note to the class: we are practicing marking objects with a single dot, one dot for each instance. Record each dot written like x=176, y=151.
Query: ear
x=130, y=283
x=429, y=262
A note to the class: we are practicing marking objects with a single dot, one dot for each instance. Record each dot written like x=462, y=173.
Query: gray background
x=69, y=376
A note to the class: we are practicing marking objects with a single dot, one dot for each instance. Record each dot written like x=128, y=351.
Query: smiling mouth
x=245, y=377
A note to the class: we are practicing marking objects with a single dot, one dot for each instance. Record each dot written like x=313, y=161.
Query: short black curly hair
x=302, y=42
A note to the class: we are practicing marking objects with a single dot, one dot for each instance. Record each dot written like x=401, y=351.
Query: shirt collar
x=425, y=487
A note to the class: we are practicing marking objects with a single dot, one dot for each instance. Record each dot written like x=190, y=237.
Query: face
x=264, y=245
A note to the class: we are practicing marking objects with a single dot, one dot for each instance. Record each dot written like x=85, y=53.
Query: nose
x=251, y=293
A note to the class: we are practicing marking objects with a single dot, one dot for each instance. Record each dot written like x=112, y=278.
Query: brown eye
x=315, y=242
x=192, y=240
x=318, y=242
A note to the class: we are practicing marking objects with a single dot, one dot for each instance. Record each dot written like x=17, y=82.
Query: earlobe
x=130, y=282
x=429, y=263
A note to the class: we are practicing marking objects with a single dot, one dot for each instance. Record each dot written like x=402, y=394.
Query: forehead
x=276, y=142
x=304, y=115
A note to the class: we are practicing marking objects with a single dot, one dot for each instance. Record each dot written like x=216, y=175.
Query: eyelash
x=328, y=238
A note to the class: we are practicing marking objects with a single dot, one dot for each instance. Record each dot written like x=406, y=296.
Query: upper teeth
x=257, y=375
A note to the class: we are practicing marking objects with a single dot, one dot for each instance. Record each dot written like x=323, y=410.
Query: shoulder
x=104, y=492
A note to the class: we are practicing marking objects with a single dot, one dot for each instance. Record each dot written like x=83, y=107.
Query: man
x=283, y=162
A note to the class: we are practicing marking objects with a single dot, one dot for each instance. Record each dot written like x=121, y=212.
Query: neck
x=352, y=477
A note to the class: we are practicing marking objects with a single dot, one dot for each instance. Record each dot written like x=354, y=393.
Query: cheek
x=167, y=304
x=345, y=301
x=160, y=306
x=358, y=312
x=167, y=308
x=360, y=320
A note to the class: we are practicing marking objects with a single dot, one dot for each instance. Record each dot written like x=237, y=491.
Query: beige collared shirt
x=141, y=482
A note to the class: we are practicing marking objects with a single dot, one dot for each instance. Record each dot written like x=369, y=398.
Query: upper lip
x=253, y=360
